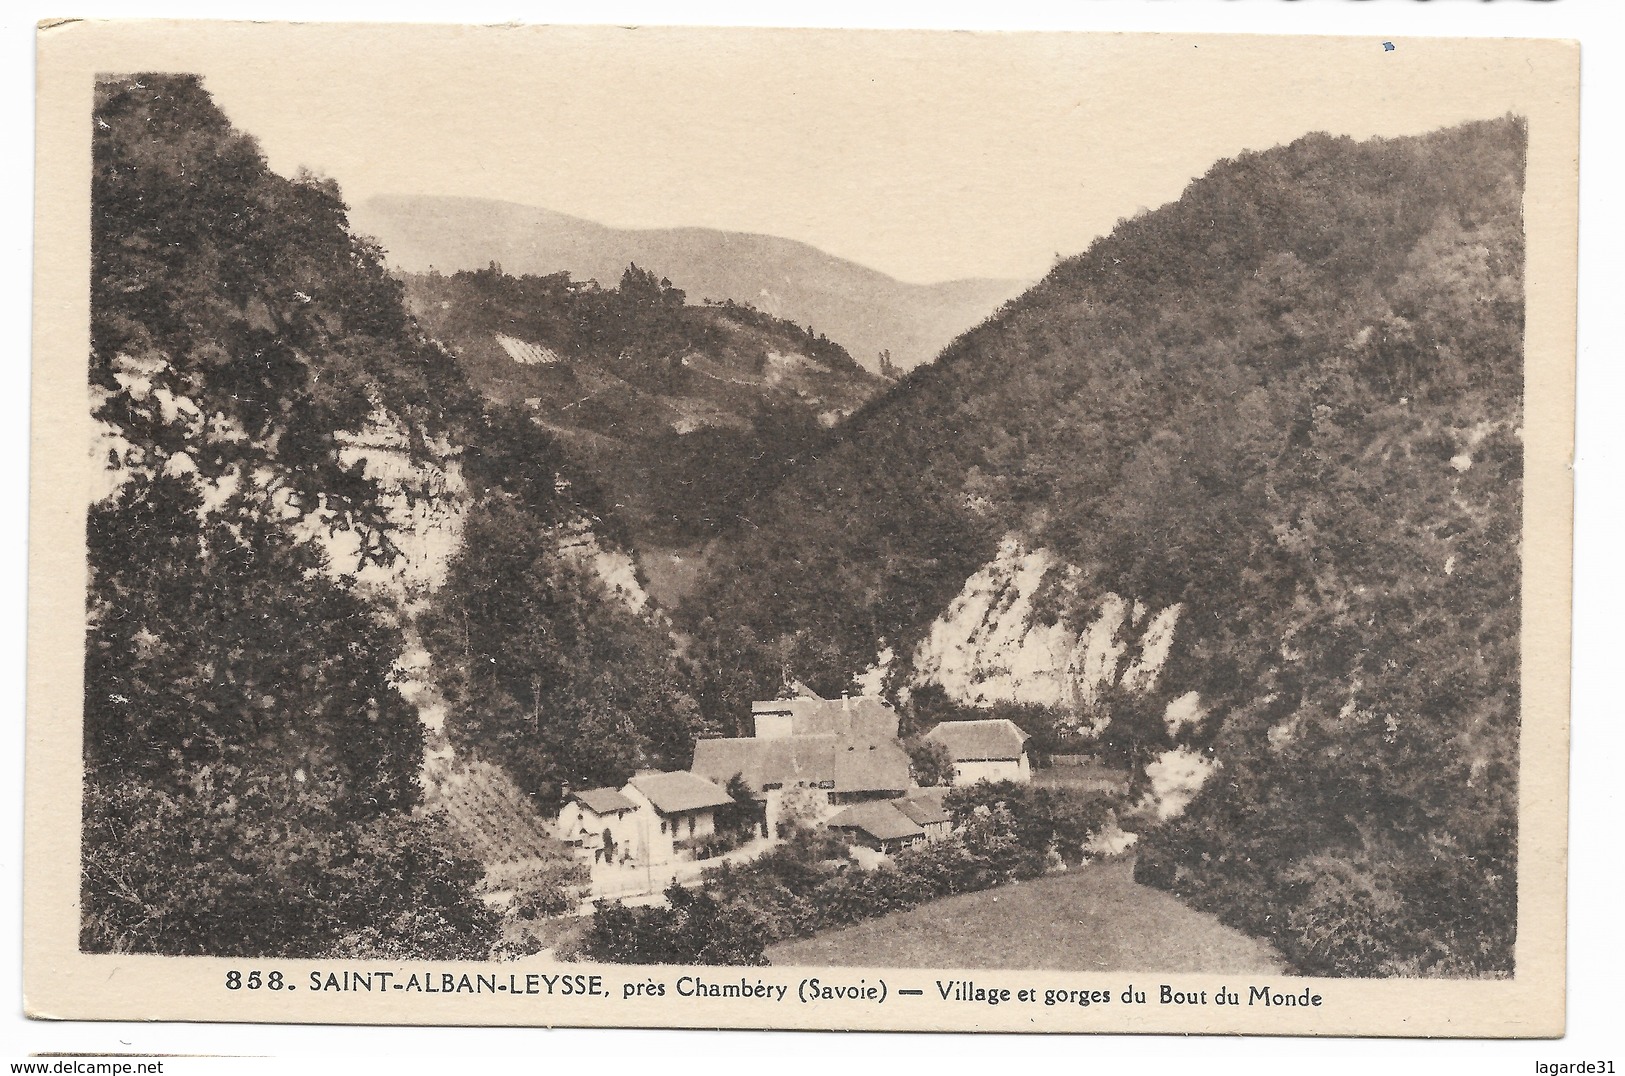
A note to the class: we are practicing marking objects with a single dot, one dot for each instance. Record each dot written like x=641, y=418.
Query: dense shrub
x=233, y=865
x=691, y=930
x=1046, y=823
x=720, y=843
x=549, y=891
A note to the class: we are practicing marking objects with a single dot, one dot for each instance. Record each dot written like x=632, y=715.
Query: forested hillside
x=297, y=480
x=683, y=413
x=1286, y=407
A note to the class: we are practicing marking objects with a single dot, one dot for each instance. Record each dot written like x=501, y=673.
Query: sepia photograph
x=1063, y=531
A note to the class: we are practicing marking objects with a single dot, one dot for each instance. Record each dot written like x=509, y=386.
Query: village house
x=877, y=826
x=839, y=763
x=675, y=811
x=924, y=808
x=600, y=821
x=888, y=826
x=862, y=719
x=816, y=773
x=991, y=750
x=656, y=819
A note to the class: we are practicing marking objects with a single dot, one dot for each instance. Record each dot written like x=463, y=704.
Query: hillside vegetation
x=1273, y=429
x=251, y=771
x=682, y=413
x=1290, y=405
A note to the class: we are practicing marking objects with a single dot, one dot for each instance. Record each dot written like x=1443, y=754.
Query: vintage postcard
x=801, y=529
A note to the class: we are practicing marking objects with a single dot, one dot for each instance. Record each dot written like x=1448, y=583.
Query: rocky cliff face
x=424, y=495
x=425, y=500
x=1023, y=630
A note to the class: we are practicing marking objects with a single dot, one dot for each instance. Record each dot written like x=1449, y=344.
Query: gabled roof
x=923, y=810
x=604, y=801
x=882, y=821
x=980, y=741
x=815, y=760
x=876, y=767
x=672, y=793
x=865, y=719
x=786, y=760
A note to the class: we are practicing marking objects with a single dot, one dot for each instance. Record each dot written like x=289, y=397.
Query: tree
x=740, y=819
x=250, y=767
x=547, y=673
x=930, y=763
x=695, y=928
x=1136, y=731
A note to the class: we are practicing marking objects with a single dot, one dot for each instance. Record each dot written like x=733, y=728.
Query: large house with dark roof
x=991, y=750
x=848, y=771
x=821, y=753
x=838, y=771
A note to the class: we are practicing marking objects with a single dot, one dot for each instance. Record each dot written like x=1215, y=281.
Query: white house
x=601, y=821
x=994, y=750
x=674, y=811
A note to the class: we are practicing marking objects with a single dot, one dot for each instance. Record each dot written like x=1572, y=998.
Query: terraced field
x=492, y=820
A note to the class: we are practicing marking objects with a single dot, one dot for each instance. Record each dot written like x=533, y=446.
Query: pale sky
x=928, y=156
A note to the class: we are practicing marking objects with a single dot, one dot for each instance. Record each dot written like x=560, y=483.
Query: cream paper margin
x=62, y=983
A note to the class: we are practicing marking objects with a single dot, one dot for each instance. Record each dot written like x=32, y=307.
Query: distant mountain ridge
x=862, y=309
